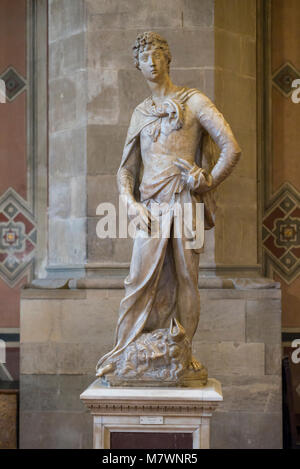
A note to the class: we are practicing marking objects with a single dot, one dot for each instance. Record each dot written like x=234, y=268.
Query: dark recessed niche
x=139, y=440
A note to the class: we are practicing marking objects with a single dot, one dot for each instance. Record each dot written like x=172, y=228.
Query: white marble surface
x=167, y=410
x=211, y=392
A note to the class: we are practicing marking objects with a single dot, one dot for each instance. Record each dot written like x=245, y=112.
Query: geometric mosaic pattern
x=14, y=83
x=281, y=233
x=18, y=237
x=284, y=77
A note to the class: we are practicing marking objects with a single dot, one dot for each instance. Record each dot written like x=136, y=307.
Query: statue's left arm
x=214, y=123
x=219, y=130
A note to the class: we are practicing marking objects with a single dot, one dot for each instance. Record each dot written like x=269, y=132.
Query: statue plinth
x=159, y=358
x=121, y=415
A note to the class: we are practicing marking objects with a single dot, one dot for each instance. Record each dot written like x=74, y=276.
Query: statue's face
x=153, y=64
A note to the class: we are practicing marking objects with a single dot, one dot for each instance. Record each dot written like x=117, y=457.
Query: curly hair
x=155, y=39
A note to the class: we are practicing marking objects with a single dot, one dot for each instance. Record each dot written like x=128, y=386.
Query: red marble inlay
x=3, y=218
x=296, y=252
x=3, y=256
x=28, y=226
x=13, y=35
x=10, y=303
x=151, y=440
x=295, y=213
x=13, y=146
x=269, y=243
x=269, y=221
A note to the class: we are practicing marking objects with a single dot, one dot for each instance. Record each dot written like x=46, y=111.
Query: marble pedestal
x=184, y=411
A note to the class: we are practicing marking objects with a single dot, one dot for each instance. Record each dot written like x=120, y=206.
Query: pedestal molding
x=170, y=408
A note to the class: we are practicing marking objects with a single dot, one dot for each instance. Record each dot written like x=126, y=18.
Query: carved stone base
x=191, y=378
x=127, y=414
x=161, y=358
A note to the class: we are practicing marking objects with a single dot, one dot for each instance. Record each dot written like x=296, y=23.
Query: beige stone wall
x=67, y=133
x=235, y=96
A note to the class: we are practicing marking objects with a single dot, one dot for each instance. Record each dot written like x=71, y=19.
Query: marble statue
x=169, y=158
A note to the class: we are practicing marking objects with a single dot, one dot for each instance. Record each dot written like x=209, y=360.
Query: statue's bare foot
x=195, y=365
x=104, y=370
x=195, y=374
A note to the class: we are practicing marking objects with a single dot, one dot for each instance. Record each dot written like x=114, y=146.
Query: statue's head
x=148, y=47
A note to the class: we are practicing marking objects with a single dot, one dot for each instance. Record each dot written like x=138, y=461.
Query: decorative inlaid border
x=281, y=233
x=284, y=77
x=15, y=83
x=18, y=237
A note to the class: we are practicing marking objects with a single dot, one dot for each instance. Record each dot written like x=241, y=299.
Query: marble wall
x=67, y=232
x=15, y=262
x=23, y=156
x=235, y=95
x=283, y=171
x=281, y=175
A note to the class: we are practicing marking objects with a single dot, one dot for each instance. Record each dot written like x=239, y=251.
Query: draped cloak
x=206, y=156
x=132, y=320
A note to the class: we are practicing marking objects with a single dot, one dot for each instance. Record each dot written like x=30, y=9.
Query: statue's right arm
x=128, y=174
x=127, y=178
x=129, y=170
x=126, y=184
